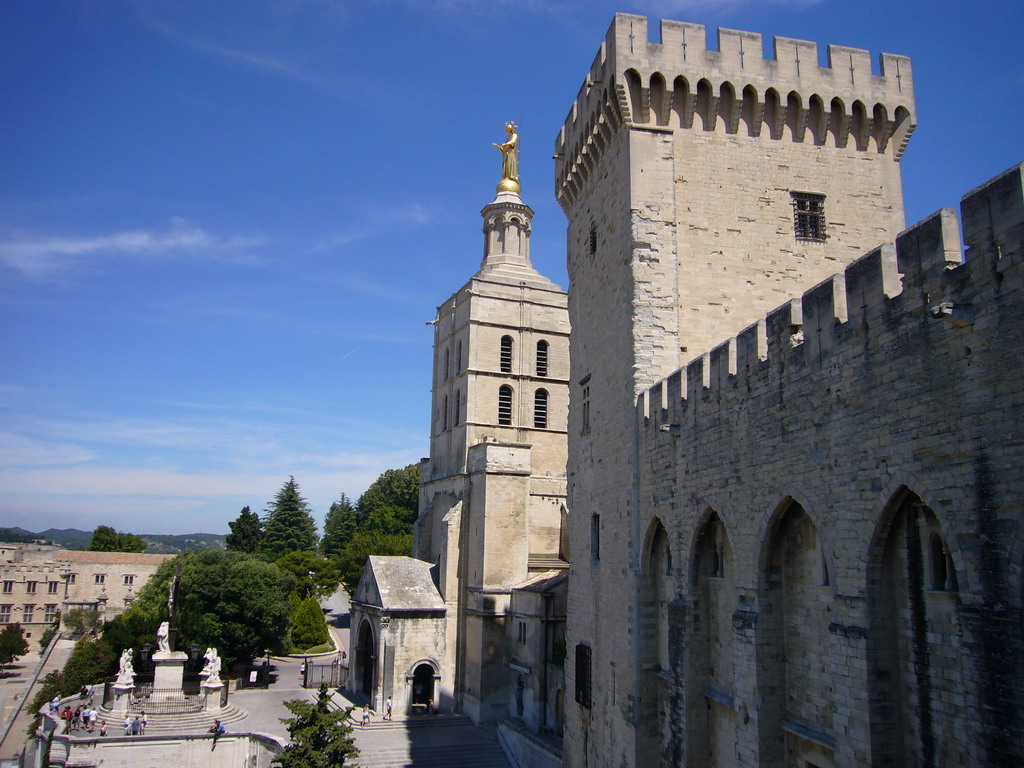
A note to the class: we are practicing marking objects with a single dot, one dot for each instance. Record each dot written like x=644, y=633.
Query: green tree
x=314, y=575
x=12, y=644
x=246, y=532
x=238, y=603
x=91, y=660
x=309, y=627
x=363, y=544
x=339, y=525
x=106, y=539
x=320, y=737
x=81, y=620
x=388, y=520
x=288, y=525
x=48, y=634
x=394, y=488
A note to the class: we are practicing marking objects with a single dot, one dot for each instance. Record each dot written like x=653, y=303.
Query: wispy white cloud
x=327, y=329
x=373, y=221
x=154, y=475
x=42, y=256
x=281, y=64
x=20, y=451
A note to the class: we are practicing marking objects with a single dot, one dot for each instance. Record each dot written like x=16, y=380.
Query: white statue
x=212, y=668
x=163, y=637
x=125, y=671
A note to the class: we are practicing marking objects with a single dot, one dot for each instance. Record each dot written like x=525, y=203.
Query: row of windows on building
x=504, y=358
x=31, y=587
x=505, y=397
x=29, y=613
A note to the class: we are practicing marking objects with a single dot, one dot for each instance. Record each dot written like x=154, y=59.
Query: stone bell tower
x=492, y=493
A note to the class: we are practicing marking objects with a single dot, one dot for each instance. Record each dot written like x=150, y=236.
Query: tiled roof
x=111, y=558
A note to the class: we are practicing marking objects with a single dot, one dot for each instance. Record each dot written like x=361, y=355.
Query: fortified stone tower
x=703, y=189
x=492, y=492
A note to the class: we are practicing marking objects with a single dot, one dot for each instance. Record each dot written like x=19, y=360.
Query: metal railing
x=333, y=675
x=156, y=701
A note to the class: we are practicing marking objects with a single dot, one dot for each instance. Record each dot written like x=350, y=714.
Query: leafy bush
x=309, y=628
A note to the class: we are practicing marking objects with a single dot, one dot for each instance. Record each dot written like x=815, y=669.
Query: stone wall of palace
x=811, y=505
x=838, y=492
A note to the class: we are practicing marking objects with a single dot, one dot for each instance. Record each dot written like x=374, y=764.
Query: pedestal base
x=122, y=695
x=169, y=670
x=211, y=696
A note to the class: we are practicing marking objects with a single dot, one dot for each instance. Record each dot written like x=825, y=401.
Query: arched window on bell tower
x=542, y=358
x=505, y=405
x=540, y=409
x=506, y=354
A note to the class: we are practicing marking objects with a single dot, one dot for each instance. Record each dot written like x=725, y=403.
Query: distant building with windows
x=38, y=582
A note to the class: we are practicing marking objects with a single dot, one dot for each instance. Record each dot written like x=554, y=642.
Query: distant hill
x=18, y=535
x=72, y=538
x=184, y=542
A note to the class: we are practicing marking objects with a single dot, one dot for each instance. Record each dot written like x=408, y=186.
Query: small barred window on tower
x=583, y=689
x=808, y=216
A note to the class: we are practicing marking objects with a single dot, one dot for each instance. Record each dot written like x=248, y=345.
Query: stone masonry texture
x=803, y=548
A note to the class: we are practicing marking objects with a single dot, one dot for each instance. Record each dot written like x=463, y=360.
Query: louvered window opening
x=506, y=354
x=540, y=409
x=505, y=406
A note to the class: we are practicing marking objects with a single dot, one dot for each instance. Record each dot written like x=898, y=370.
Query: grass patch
x=322, y=648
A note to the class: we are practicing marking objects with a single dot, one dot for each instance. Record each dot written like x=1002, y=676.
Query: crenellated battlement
x=679, y=84
x=879, y=303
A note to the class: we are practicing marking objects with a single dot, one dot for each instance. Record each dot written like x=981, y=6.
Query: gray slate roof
x=399, y=584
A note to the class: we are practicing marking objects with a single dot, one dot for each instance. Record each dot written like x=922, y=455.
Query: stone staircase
x=440, y=741
x=161, y=724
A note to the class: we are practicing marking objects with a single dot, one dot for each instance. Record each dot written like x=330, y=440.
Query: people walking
x=103, y=727
x=92, y=719
x=136, y=726
x=387, y=709
x=145, y=720
x=127, y=725
x=366, y=715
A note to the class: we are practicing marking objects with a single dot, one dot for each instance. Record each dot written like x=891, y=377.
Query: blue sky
x=224, y=225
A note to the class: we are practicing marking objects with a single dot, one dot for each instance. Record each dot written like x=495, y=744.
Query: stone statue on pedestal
x=509, y=160
x=162, y=637
x=125, y=671
x=212, y=668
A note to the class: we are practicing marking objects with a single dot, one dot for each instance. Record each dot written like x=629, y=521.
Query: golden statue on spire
x=509, y=160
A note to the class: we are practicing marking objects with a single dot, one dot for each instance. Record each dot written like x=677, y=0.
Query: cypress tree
x=288, y=525
x=339, y=525
x=309, y=627
x=246, y=532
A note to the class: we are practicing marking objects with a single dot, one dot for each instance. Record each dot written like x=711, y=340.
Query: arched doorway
x=423, y=684
x=365, y=659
